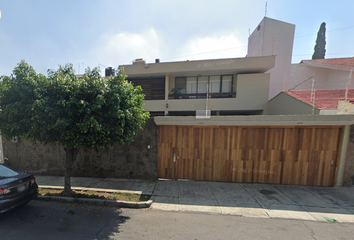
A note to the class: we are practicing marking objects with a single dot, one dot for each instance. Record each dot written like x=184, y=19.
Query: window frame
x=208, y=76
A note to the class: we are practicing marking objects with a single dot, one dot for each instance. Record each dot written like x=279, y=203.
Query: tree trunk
x=71, y=154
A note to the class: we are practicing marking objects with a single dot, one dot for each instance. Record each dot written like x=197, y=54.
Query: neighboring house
x=334, y=73
x=304, y=102
x=273, y=37
x=302, y=149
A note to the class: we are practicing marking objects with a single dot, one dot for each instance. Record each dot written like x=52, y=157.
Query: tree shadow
x=49, y=220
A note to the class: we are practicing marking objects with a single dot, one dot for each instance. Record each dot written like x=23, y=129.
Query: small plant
x=177, y=91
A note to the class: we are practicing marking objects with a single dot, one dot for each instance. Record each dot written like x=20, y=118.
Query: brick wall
x=131, y=161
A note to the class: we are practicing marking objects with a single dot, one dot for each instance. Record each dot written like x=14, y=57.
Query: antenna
x=265, y=12
x=346, y=90
x=313, y=96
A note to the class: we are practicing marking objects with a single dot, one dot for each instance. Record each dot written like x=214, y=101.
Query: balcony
x=203, y=95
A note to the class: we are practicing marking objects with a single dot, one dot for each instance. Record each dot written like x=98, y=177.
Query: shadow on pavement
x=46, y=220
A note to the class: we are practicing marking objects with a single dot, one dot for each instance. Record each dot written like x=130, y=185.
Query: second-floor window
x=216, y=83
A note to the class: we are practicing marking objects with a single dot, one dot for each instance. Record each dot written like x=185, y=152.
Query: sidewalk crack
x=216, y=199
x=255, y=199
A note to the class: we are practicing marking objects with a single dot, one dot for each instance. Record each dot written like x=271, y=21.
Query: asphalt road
x=49, y=220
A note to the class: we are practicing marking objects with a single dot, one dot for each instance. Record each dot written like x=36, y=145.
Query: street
x=50, y=220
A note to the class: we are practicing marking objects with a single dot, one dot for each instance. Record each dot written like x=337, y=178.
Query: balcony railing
x=202, y=95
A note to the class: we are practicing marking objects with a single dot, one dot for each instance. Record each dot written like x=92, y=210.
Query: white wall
x=325, y=78
x=273, y=37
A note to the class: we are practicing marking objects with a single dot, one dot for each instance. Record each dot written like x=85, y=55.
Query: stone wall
x=132, y=161
x=349, y=163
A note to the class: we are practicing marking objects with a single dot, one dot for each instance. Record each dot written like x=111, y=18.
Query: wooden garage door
x=285, y=155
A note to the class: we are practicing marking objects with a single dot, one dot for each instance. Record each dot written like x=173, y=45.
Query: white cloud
x=121, y=48
x=216, y=46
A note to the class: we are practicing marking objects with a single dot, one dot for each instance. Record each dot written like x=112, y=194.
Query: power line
x=327, y=54
x=338, y=29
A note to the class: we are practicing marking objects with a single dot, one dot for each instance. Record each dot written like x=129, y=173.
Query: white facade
x=249, y=86
x=273, y=37
x=323, y=76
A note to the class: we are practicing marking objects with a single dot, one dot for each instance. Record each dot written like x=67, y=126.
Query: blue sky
x=102, y=33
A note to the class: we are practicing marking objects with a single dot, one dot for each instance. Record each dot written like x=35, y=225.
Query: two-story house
x=211, y=125
x=219, y=85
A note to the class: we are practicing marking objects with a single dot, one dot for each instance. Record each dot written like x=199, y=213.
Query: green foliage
x=77, y=113
x=177, y=91
x=320, y=47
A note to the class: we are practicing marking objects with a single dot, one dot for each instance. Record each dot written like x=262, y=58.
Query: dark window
x=226, y=83
x=153, y=88
x=156, y=114
x=181, y=85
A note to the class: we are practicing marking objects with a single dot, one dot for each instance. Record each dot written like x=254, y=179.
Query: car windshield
x=6, y=172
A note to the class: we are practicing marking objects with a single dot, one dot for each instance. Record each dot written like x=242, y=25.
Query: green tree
x=88, y=113
x=320, y=47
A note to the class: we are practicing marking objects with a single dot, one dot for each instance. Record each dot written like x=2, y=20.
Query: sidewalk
x=256, y=200
x=239, y=199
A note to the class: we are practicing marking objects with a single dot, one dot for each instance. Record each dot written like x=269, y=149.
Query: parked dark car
x=15, y=188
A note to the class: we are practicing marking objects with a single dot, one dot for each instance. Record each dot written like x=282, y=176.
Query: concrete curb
x=99, y=202
x=96, y=189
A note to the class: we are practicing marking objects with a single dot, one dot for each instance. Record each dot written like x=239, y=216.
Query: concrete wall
x=283, y=104
x=345, y=107
x=273, y=37
x=118, y=161
x=349, y=166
